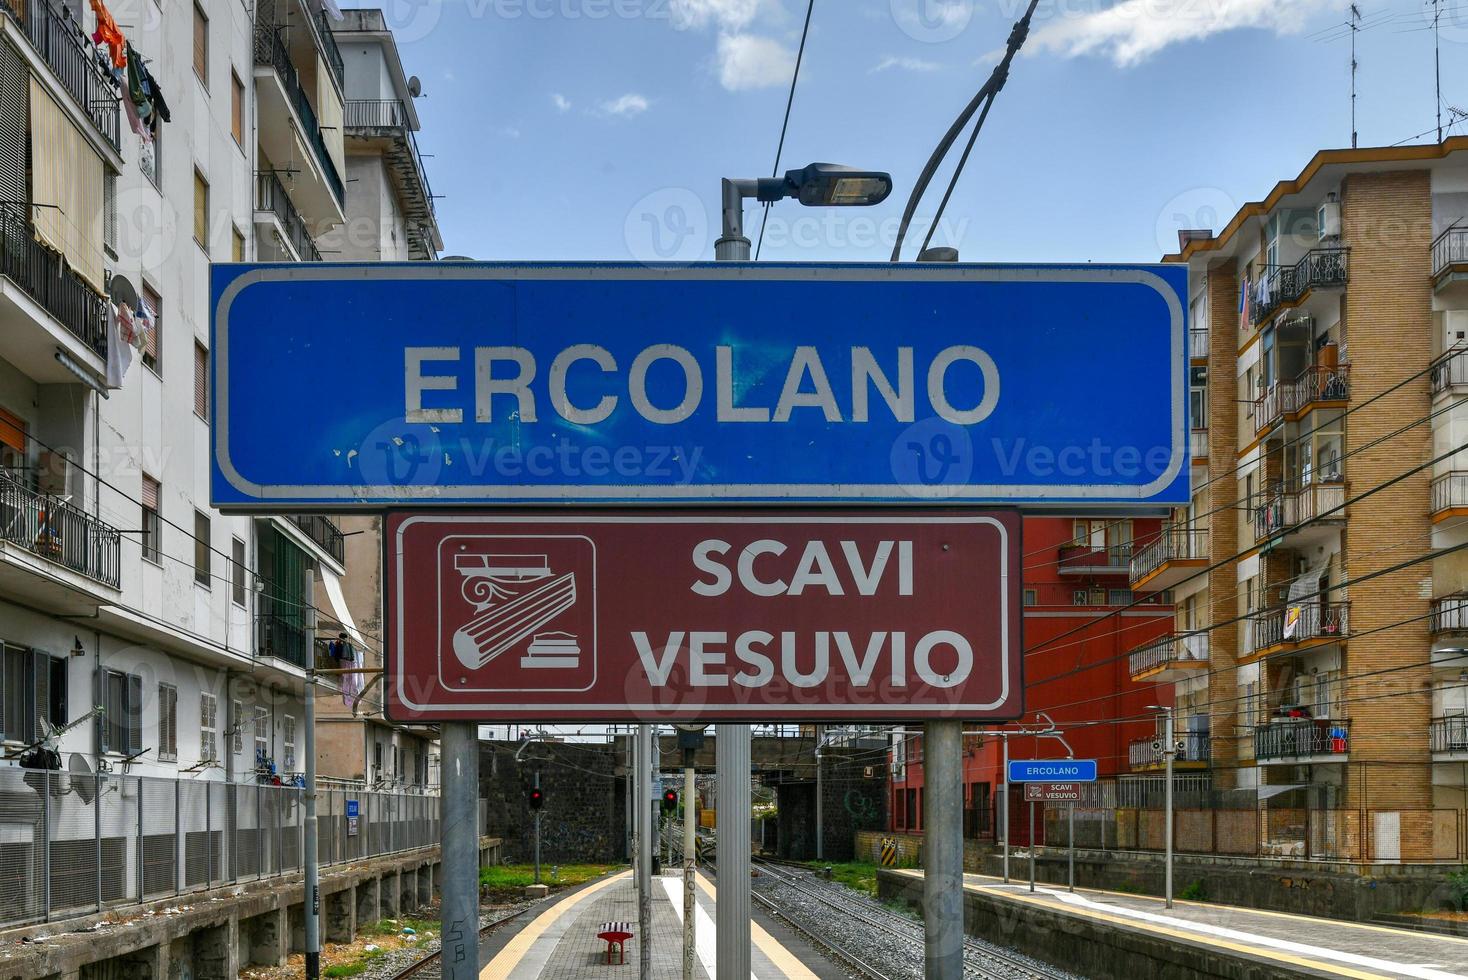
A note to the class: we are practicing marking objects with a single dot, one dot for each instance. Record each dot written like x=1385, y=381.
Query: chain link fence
x=73, y=844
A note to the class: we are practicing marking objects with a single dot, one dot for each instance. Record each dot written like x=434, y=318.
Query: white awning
x=339, y=608
x=1265, y=792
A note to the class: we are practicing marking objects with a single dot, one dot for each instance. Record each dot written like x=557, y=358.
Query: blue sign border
x=231, y=490
x=1024, y=771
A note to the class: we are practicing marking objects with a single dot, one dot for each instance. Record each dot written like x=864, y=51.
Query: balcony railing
x=1286, y=284
x=60, y=532
x=1450, y=491
x=1082, y=558
x=1175, y=544
x=1198, y=443
x=47, y=279
x=277, y=636
x=388, y=114
x=1450, y=249
x=1319, y=384
x=1269, y=407
x=58, y=41
x=1197, y=344
x=1145, y=753
x=1302, y=738
x=1174, y=648
x=270, y=195
x=1300, y=622
x=324, y=532
x=1450, y=734
x=1450, y=370
x=271, y=52
x=1279, y=510
x=329, y=49
x=1450, y=614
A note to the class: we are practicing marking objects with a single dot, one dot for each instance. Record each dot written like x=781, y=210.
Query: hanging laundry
x=351, y=683
x=119, y=349
x=135, y=85
x=108, y=33
x=144, y=322
x=331, y=8
x=133, y=120
x=160, y=107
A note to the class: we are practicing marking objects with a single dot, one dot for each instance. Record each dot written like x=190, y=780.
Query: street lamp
x=815, y=186
x=1169, y=750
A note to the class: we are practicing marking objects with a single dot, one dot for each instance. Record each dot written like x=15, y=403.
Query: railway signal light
x=670, y=800
x=536, y=797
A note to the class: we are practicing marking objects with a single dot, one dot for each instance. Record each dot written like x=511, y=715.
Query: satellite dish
x=123, y=291
x=415, y=87
x=78, y=766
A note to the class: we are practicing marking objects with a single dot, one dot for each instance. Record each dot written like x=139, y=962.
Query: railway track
x=981, y=960
x=427, y=968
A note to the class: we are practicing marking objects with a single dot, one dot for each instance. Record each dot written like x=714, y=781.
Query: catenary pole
x=459, y=805
x=943, y=851
x=312, y=875
x=641, y=807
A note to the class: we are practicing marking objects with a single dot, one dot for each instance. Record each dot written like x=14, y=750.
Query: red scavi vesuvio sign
x=707, y=616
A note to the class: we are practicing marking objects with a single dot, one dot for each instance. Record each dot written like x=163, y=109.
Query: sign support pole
x=690, y=852
x=1032, y=847
x=1170, y=750
x=1004, y=792
x=312, y=872
x=537, y=833
x=943, y=851
x=1071, y=819
x=641, y=802
x=732, y=912
x=460, y=811
x=820, y=797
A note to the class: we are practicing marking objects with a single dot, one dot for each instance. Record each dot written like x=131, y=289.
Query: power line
x=784, y=126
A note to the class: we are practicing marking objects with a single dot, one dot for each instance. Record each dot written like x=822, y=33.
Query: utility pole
x=689, y=741
x=459, y=810
x=820, y=796
x=943, y=851
x=1169, y=748
x=1355, y=25
x=642, y=798
x=536, y=778
x=313, y=872
x=1437, y=64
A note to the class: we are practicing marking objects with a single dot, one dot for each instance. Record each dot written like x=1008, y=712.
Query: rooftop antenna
x=1437, y=59
x=1355, y=25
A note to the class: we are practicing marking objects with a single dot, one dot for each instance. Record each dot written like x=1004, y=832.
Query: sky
x=600, y=129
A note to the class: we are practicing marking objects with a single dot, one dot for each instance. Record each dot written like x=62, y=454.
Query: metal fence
x=72, y=844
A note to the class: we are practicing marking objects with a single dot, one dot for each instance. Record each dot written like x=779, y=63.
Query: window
x=262, y=735
x=237, y=571
x=109, y=211
x=397, y=761
x=288, y=742
x=376, y=760
x=208, y=727
x=201, y=381
x=202, y=551
x=150, y=158
x=32, y=691
x=152, y=527
x=122, y=721
x=201, y=211
x=1032, y=597
x=167, y=723
x=236, y=245
x=152, y=355
x=237, y=108
x=201, y=45
x=237, y=726
x=1118, y=597
x=12, y=440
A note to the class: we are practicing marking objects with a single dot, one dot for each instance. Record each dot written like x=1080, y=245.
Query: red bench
x=616, y=935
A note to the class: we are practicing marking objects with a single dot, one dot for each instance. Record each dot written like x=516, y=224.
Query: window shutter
x=41, y=673
x=14, y=124
x=134, y=713
x=201, y=381
x=201, y=45
x=155, y=336
x=150, y=493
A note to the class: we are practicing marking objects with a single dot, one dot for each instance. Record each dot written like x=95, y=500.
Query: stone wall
x=584, y=786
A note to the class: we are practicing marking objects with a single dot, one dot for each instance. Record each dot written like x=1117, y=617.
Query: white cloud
x=509, y=132
x=626, y=106
x=1131, y=31
x=749, y=61
x=560, y=102
x=906, y=64
x=727, y=15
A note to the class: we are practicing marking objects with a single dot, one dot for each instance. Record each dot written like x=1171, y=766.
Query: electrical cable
x=784, y=126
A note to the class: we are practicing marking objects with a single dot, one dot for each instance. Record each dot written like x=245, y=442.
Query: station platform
x=1098, y=933
x=561, y=942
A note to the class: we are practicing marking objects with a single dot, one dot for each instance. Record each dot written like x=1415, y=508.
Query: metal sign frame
x=1052, y=770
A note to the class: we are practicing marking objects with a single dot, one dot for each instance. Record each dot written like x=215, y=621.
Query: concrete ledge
x=1091, y=947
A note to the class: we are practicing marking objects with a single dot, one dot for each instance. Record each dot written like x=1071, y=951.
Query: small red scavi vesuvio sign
x=703, y=616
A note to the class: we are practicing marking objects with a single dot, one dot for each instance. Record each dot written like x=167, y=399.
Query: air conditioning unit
x=1328, y=219
x=1455, y=329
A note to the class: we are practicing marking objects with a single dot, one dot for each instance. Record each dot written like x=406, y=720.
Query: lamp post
x=1169, y=750
x=816, y=185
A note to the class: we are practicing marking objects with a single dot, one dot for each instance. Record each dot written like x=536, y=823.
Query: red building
x=1077, y=635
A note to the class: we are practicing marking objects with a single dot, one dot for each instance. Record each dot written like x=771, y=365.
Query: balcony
x=1450, y=257
x=55, y=40
x=58, y=531
x=1317, y=387
x=1450, y=495
x=278, y=635
x=274, y=210
x=1283, y=513
x=1450, y=371
x=1176, y=555
x=1198, y=444
x=389, y=124
x=1299, y=623
x=1287, y=286
x=289, y=130
x=324, y=532
x=1296, y=741
x=1450, y=614
x=1054, y=594
x=1198, y=344
x=1169, y=658
x=46, y=309
x=1449, y=739
x=1082, y=559
x=1146, y=755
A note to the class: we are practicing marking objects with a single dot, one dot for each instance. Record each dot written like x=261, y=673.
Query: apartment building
x=1317, y=641
x=390, y=216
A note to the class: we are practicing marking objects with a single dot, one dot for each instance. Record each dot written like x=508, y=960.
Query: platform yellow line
x=508, y=958
x=784, y=960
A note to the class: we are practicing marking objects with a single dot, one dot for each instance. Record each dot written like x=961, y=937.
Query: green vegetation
x=1457, y=888
x=517, y=876
x=1129, y=887
x=344, y=970
x=1195, y=892
x=392, y=927
x=859, y=875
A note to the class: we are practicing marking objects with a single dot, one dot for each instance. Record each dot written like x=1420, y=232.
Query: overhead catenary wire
x=785, y=125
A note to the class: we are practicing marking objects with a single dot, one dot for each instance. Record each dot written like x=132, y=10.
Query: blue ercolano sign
x=354, y=808
x=467, y=383
x=1052, y=770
